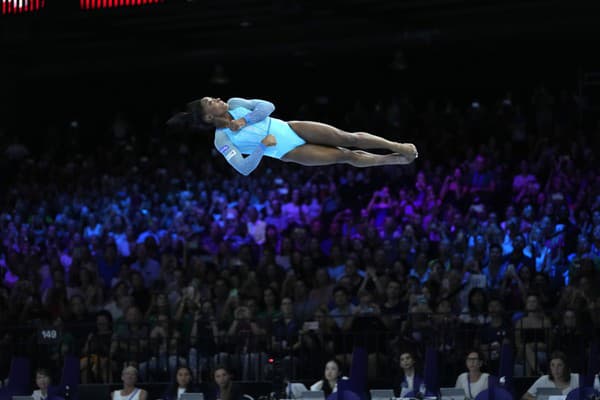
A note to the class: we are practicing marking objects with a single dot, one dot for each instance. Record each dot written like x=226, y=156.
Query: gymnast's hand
x=237, y=124
x=269, y=140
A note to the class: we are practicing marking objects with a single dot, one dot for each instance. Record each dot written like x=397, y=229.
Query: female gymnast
x=245, y=127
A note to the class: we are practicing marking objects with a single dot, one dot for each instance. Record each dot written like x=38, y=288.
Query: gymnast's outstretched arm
x=260, y=109
x=243, y=165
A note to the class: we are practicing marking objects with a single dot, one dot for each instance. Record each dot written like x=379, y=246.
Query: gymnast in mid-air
x=245, y=127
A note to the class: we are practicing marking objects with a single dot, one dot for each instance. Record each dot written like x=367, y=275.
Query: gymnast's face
x=213, y=107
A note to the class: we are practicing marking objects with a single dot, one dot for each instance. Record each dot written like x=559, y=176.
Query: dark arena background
x=130, y=242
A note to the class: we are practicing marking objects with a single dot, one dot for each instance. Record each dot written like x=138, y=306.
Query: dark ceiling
x=312, y=46
x=155, y=58
x=183, y=31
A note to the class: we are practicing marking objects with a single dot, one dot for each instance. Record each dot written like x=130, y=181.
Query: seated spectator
x=453, y=188
x=532, y=333
x=94, y=364
x=42, y=381
x=417, y=329
x=130, y=340
x=494, y=333
x=569, y=338
x=78, y=320
x=481, y=182
x=204, y=334
x=225, y=388
x=183, y=383
x=473, y=381
x=495, y=269
x=148, y=267
x=322, y=287
x=560, y=377
x=472, y=317
x=142, y=296
x=285, y=329
x=410, y=381
x=247, y=342
x=523, y=177
x=514, y=287
x=304, y=305
x=368, y=331
x=269, y=310
x=517, y=256
x=394, y=306
x=366, y=319
x=165, y=350
x=331, y=376
x=319, y=340
x=130, y=391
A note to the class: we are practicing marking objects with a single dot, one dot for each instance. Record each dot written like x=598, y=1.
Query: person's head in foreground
x=222, y=377
x=559, y=369
x=333, y=372
x=183, y=377
x=129, y=376
x=407, y=362
x=42, y=380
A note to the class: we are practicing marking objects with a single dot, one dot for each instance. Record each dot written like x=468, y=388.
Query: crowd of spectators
x=147, y=249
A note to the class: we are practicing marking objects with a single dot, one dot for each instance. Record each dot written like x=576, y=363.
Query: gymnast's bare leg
x=327, y=135
x=316, y=155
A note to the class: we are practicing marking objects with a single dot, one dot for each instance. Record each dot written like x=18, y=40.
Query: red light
x=20, y=6
x=96, y=4
x=271, y=360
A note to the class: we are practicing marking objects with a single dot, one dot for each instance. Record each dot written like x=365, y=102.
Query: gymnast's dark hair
x=193, y=118
x=194, y=107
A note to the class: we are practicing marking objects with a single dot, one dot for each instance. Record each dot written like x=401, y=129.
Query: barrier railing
x=297, y=354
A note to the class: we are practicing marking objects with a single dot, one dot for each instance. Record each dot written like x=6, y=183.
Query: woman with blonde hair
x=130, y=391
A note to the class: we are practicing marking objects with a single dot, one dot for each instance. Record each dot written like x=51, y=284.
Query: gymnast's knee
x=350, y=138
x=350, y=157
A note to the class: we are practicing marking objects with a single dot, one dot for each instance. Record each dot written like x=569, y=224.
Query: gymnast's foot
x=407, y=149
x=401, y=159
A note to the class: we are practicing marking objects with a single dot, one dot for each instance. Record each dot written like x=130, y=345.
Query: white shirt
x=294, y=390
x=135, y=395
x=257, y=230
x=472, y=389
x=319, y=386
x=37, y=395
x=410, y=383
x=545, y=382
